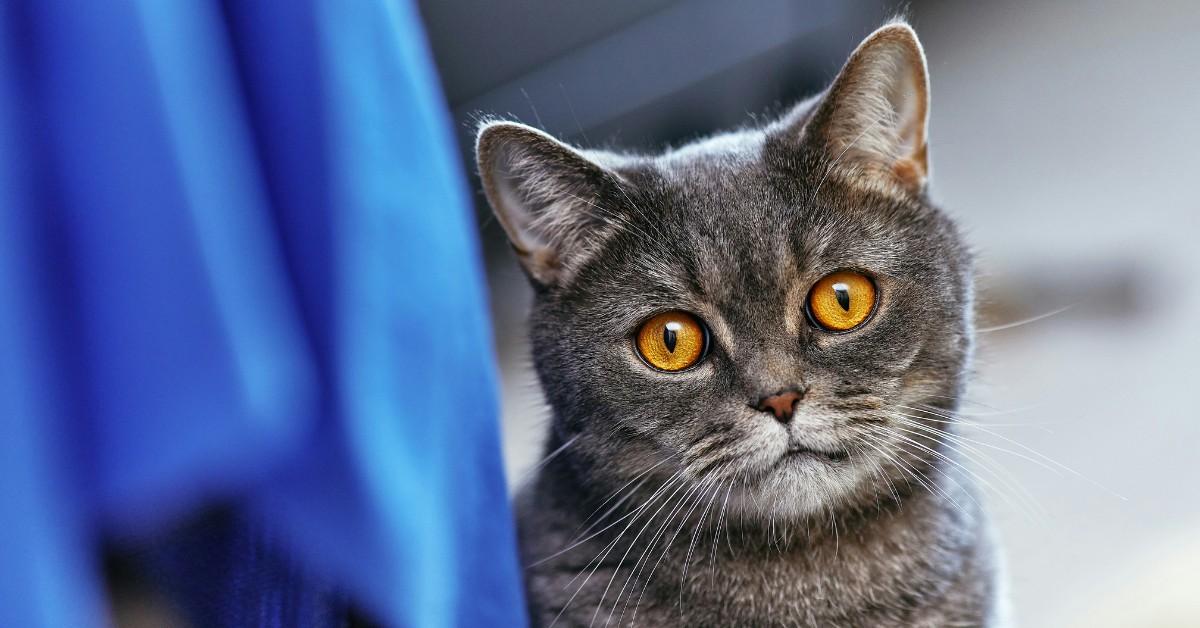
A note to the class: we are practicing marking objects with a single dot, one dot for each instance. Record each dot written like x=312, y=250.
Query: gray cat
x=754, y=346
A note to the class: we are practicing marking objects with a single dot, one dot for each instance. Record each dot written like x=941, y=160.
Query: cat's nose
x=781, y=404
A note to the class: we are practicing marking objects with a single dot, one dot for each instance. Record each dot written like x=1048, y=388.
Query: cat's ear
x=546, y=195
x=874, y=116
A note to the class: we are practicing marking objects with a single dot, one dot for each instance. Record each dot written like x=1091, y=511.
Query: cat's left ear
x=875, y=115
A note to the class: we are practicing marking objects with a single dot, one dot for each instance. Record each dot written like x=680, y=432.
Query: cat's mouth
x=800, y=452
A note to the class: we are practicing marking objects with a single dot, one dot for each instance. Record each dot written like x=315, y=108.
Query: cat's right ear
x=872, y=121
x=546, y=195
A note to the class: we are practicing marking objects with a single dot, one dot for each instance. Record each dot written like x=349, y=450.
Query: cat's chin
x=802, y=482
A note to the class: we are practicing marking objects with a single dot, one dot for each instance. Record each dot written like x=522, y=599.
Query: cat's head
x=771, y=312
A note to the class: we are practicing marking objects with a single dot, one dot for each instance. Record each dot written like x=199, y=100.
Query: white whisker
x=1025, y=321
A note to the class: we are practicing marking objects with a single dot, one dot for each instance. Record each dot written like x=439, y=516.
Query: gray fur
x=671, y=501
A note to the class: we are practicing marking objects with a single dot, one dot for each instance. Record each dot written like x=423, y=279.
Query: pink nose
x=782, y=405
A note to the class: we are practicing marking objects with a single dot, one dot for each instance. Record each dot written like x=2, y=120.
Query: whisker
x=551, y=456
x=600, y=557
x=878, y=470
x=577, y=541
x=667, y=546
x=1025, y=321
x=994, y=411
x=722, y=523
x=643, y=475
x=1050, y=463
x=978, y=478
x=695, y=535
x=629, y=549
x=871, y=439
x=643, y=559
x=961, y=418
x=965, y=449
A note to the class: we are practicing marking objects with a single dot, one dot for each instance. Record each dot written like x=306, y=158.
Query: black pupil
x=670, y=335
x=842, y=292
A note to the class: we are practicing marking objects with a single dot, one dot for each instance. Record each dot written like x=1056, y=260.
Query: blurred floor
x=1065, y=141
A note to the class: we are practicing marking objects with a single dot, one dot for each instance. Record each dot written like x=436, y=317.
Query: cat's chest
x=685, y=584
x=766, y=586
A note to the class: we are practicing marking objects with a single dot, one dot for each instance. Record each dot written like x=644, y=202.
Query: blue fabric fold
x=238, y=267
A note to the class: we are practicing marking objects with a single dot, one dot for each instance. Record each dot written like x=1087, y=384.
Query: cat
x=754, y=346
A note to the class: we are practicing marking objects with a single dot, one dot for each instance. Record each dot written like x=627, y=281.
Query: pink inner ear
x=912, y=103
x=910, y=172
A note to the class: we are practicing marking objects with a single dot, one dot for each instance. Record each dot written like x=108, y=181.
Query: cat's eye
x=842, y=300
x=672, y=341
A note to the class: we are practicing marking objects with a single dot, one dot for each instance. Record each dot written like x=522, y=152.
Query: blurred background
x=1064, y=141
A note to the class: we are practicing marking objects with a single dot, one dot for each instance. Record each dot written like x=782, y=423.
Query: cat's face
x=768, y=314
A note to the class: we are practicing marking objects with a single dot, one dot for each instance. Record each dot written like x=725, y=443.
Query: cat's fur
x=670, y=499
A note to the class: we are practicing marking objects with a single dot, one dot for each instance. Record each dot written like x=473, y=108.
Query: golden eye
x=672, y=341
x=841, y=301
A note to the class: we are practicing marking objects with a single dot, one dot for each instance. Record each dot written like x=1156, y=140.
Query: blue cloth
x=237, y=267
